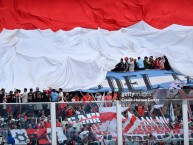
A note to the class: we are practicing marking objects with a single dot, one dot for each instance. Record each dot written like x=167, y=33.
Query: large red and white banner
x=35, y=47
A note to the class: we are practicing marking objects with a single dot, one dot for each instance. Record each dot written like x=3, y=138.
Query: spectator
x=61, y=95
x=151, y=140
x=84, y=139
x=34, y=140
x=10, y=139
x=69, y=112
x=135, y=64
x=2, y=95
x=17, y=96
x=70, y=142
x=31, y=96
x=10, y=97
x=131, y=65
x=166, y=64
x=45, y=96
x=91, y=136
x=108, y=97
x=54, y=96
x=151, y=66
x=99, y=96
x=140, y=64
x=87, y=97
x=24, y=96
x=141, y=110
x=120, y=66
x=157, y=63
x=64, y=123
x=162, y=63
x=146, y=62
x=75, y=98
x=78, y=126
x=38, y=95
x=71, y=131
x=41, y=124
x=58, y=124
x=115, y=95
x=22, y=117
x=126, y=64
x=76, y=138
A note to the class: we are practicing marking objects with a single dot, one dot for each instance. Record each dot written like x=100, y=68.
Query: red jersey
x=69, y=113
x=115, y=96
x=87, y=98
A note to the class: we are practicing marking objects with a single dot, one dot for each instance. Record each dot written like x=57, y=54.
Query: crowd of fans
x=37, y=116
x=132, y=64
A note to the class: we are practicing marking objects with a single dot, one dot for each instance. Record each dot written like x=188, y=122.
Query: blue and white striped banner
x=140, y=80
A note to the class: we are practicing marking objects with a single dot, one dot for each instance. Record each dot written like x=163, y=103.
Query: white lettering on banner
x=145, y=79
x=72, y=119
x=81, y=117
x=89, y=118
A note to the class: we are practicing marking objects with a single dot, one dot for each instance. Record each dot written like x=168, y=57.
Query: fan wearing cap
x=108, y=97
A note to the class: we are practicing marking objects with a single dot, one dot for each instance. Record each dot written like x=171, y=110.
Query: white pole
x=53, y=122
x=119, y=124
x=185, y=121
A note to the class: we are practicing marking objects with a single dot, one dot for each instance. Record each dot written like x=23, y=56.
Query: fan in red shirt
x=58, y=124
x=47, y=124
x=141, y=110
x=75, y=98
x=157, y=63
x=87, y=97
x=108, y=97
x=69, y=112
x=22, y=116
x=115, y=95
x=42, y=124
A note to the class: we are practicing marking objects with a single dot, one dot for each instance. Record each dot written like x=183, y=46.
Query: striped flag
x=131, y=124
x=109, y=113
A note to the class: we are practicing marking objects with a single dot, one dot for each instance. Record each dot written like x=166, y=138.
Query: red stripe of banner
x=106, y=14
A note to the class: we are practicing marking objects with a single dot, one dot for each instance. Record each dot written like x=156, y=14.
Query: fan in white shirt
x=24, y=96
x=61, y=95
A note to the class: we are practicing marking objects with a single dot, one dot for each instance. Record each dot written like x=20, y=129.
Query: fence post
x=53, y=122
x=185, y=121
x=119, y=124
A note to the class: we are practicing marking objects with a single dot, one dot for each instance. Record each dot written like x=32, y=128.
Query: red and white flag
x=34, y=35
x=109, y=113
x=131, y=124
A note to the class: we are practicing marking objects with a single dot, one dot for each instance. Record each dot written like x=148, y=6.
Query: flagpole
x=185, y=121
x=119, y=124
